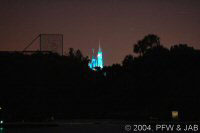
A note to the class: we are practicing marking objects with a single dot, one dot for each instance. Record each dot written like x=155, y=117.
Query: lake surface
x=98, y=127
x=68, y=128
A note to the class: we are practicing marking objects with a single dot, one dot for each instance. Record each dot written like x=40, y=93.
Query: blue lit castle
x=96, y=61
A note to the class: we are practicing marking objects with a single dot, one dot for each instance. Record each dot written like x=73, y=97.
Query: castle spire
x=92, y=51
x=100, y=46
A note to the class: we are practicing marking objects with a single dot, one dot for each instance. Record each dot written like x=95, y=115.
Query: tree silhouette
x=71, y=53
x=181, y=49
x=139, y=47
x=146, y=43
x=43, y=85
x=128, y=60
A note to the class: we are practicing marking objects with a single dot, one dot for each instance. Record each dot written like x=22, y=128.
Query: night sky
x=117, y=23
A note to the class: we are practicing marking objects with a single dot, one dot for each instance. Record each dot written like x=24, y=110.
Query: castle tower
x=100, y=56
x=96, y=61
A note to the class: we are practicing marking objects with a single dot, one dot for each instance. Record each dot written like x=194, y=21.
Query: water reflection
x=1, y=130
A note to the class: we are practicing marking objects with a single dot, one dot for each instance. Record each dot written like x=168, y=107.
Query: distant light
x=104, y=73
x=0, y=108
x=1, y=122
x=175, y=114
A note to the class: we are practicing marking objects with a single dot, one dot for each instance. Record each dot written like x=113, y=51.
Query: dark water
x=69, y=128
x=85, y=128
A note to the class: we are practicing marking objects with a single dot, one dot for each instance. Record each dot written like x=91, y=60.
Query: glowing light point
x=175, y=115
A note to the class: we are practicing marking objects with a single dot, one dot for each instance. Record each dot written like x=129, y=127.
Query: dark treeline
x=149, y=85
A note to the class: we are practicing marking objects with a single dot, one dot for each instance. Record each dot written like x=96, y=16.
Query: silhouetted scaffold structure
x=47, y=43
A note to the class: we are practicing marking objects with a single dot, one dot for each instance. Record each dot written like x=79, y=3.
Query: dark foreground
x=101, y=126
x=85, y=128
x=63, y=127
x=45, y=87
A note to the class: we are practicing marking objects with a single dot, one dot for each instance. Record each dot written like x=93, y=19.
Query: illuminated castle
x=96, y=61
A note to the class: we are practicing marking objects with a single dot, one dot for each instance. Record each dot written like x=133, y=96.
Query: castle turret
x=100, y=57
x=94, y=60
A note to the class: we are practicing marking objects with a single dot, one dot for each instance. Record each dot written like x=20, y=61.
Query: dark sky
x=117, y=23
